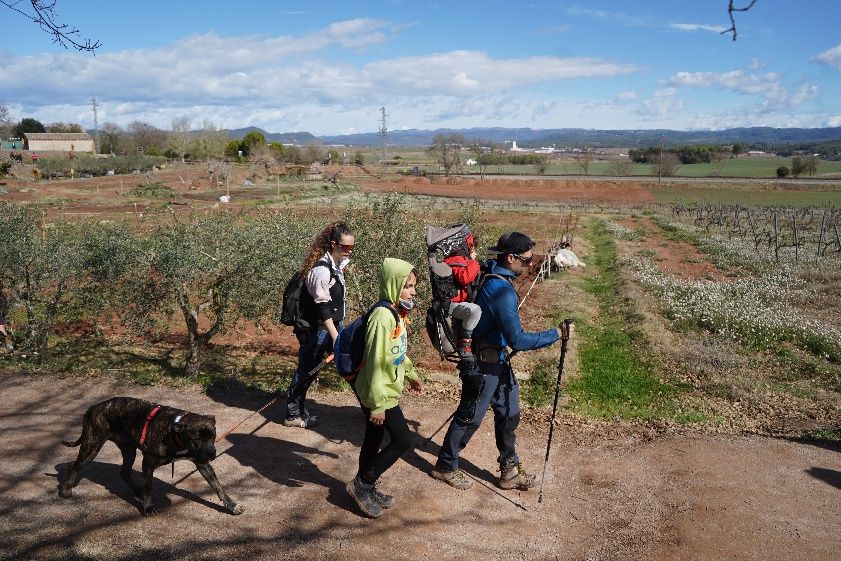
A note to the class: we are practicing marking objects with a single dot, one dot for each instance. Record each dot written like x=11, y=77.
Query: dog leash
x=315, y=370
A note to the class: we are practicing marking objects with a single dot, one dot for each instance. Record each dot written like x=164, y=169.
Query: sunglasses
x=347, y=248
x=523, y=260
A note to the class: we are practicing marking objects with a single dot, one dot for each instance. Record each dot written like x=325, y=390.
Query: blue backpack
x=350, y=344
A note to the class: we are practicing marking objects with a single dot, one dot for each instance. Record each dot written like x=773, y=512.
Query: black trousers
x=373, y=461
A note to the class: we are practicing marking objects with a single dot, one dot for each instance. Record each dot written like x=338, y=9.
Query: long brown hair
x=323, y=243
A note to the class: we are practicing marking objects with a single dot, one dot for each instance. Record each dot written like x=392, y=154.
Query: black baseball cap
x=512, y=243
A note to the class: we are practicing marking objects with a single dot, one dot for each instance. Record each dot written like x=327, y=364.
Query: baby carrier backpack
x=440, y=242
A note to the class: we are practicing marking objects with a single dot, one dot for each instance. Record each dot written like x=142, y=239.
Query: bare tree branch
x=43, y=13
x=731, y=8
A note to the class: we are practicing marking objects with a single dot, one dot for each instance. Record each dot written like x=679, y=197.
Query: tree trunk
x=194, y=346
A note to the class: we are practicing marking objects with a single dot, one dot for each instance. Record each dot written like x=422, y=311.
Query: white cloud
x=834, y=121
x=459, y=72
x=831, y=57
x=768, y=86
x=756, y=64
x=752, y=117
x=696, y=27
x=664, y=104
x=626, y=95
x=277, y=77
x=619, y=17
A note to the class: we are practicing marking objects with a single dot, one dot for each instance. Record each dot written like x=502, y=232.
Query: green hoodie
x=385, y=364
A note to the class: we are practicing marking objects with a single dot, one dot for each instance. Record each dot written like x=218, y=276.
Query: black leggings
x=373, y=462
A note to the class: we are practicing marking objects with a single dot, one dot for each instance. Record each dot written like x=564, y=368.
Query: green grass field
x=744, y=166
x=747, y=195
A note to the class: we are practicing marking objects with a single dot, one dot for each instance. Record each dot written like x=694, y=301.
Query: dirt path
x=612, y=493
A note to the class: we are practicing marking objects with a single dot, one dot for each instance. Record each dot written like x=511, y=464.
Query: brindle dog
x=171, y=434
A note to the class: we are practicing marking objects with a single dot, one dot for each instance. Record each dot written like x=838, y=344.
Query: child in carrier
x=462, y=260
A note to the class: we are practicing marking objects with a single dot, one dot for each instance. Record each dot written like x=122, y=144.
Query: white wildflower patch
x=621, y=232
x=757, y=310
x=758, y=254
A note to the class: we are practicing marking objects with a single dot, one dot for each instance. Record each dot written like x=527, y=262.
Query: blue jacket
x=500, y=323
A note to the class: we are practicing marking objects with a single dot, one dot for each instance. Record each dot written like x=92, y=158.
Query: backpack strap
x=383, y=304
x=482, y=279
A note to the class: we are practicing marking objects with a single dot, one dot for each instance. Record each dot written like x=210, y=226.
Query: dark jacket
x=500, y=324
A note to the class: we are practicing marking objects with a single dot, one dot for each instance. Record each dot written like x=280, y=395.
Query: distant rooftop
x=57, y=136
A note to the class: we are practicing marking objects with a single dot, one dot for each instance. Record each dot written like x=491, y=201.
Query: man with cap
x=491, y=381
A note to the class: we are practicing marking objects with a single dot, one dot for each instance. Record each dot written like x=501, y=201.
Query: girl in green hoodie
x=379, y=386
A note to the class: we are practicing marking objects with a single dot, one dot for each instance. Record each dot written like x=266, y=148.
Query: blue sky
x=328, y=67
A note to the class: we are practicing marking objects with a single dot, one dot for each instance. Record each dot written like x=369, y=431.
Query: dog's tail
x=72, y=444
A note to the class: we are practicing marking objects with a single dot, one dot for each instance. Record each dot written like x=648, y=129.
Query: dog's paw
x=237, y=509
x=150, y=511
x=65, y=493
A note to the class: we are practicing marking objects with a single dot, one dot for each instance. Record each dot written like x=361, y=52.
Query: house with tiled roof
x=58, y=142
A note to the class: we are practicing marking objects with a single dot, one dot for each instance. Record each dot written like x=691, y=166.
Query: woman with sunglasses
x=493, y=382
x=322, y=305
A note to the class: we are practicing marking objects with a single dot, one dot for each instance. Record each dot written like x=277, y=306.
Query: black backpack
x=297, y=299
x=349, y=350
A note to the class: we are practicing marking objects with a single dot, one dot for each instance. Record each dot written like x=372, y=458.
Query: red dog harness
x=149, y=417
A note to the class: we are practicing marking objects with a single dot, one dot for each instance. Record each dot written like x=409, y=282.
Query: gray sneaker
x=513, y=476
x=364, y=496
x=306, y=422
x=456, y=478
x=385, y=501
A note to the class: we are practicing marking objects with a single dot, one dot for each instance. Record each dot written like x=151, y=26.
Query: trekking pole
x=444, y=424
x=315, y=370
x=565, y=327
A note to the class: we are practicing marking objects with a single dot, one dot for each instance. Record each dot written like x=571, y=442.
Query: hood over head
x=393, y=275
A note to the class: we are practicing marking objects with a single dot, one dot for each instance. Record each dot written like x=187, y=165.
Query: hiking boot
x=455, y=478
x=385, y=501
x=364, y=496
x=306, y=422
x=465, y=350
x=513, y=476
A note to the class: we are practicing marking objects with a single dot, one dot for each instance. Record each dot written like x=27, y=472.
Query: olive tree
x=388, y=226
x=43, y=267
x=209, y=270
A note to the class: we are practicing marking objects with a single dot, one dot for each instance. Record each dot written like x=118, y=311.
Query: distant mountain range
x=532, y=138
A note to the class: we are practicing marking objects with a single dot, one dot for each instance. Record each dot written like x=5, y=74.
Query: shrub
x=55, y=167
x=620, y=168
x=783, y=171
x=152, y=191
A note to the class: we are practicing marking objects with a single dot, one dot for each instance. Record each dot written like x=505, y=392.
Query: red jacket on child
x=465, y=271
